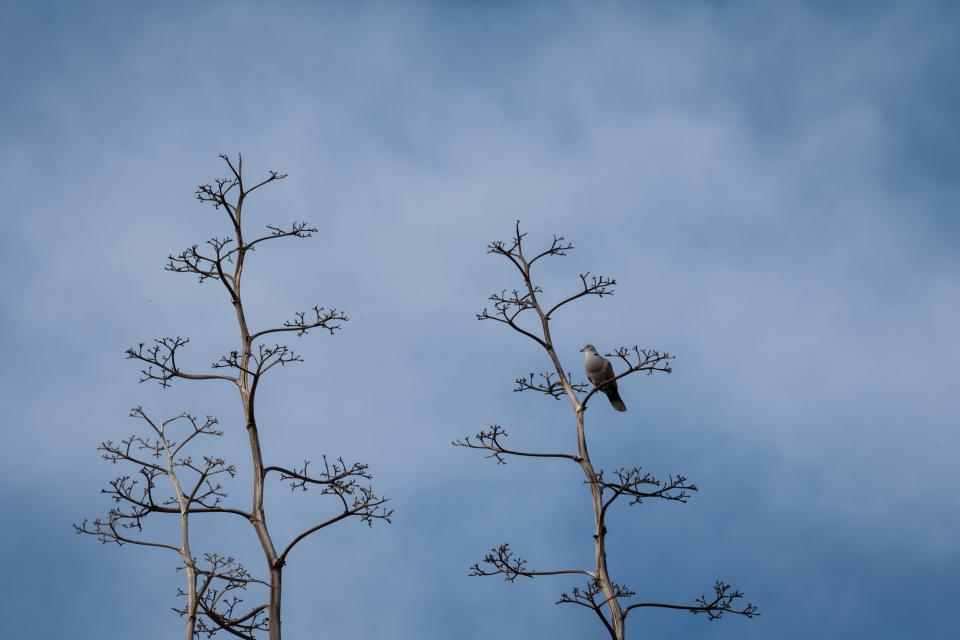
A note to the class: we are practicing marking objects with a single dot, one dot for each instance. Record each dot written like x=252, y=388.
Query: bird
x=600, y=373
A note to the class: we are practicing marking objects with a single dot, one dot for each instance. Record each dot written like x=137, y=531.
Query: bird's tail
x=615, y=399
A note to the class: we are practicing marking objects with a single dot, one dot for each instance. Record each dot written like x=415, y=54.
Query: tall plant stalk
x=223, y=259
x=522, y=310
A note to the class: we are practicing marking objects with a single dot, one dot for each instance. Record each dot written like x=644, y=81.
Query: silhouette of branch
x=161, y=360
x=263, y=359
x=271, y=177
x=548, y=384
x=217, y=193
x=592, y=286
x=366, y=505
x=490, y=441
x=558, y=247
x=630, y=482
x=334, y=474
x=296, y=230
x=721, y=603
x=190, y=260
x=587, y=597
x=160, y=456
x=323, y=319
x=507, y=306
x=514, y=251
x=340, y=480
x=112, y=529
x=503, y=562
x=217, y=599
x=135, y=497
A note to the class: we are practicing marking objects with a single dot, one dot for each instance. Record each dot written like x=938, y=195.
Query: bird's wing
x=608, y=374
x=599, y=370
x=595, y=370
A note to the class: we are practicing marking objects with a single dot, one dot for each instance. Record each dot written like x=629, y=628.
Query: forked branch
x=640, y=485
x=336, y=475
x=592, y=286
x=508, y=306
x=191, y=260
x=722, y=601
x=257, y=362
x=327, y=319
x=502, y=561
x=587, y=597
x=549, y=384
x=221, y=581
x=358, y=501
x=161, y=361
x=343, y=481
x=514, y=250
x=489, y=440
x=157, y=457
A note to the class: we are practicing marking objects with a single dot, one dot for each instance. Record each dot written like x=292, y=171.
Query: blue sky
x=773, y=185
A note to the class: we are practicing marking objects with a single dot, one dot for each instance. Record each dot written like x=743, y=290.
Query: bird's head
x=589, y=348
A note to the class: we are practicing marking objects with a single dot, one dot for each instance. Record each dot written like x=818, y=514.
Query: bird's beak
x=581, y=350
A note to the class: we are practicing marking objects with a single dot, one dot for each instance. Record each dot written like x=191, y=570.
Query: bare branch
x=327, y=319
x=136, y=498
x=587, y=597
x=223, y=579
x=548, y=384
x=273, y=176
x=503, y=562
x=263, y=359
x=721, y=603
x=507, y=306
x=191, y=260
x=490, y=441
x=336, y=476
x=557, y=248
x=342, y=481
x=296, y=230
x=513, y=251
x=217, y=193
x=592, y=286
x=365, y=505
x=161, y=360
x=631, y=481
x=110, y=530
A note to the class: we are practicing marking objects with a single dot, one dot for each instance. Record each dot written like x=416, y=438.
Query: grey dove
x=599, y=372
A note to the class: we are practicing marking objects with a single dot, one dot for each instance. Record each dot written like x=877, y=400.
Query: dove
x=599, y=372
